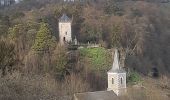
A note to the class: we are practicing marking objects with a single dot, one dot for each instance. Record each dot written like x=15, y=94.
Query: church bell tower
x=117, y=77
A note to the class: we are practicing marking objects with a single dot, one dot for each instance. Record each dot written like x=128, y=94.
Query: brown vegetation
x=34, y=65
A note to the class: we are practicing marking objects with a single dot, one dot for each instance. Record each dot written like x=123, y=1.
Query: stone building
x=65, y=32
x=117, y=77
x=116, y=85
x=8, y=2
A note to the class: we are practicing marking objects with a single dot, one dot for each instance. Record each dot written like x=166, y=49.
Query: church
x=116, y=84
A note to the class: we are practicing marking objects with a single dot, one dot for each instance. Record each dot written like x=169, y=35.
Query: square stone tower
x=117, y=77
x=65, y=34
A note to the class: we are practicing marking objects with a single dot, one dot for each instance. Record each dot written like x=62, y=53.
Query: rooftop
x=100, y=95
x=116, y=66
x=64, y=18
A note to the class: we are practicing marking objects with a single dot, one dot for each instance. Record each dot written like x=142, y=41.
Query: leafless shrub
x=18, y=86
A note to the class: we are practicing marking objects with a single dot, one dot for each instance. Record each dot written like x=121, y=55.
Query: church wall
x=110, y=85
x=122, y=86
x=119, y=86
x=123, y=76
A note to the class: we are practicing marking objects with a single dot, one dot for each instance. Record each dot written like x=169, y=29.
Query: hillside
x=34, y=65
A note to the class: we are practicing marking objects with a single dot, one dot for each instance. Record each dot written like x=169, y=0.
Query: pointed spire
x=116, y=61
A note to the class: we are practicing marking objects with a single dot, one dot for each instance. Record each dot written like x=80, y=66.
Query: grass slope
x=99, y=58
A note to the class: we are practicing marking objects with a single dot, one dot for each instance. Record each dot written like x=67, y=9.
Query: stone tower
x=65, y=34
x=117, y=77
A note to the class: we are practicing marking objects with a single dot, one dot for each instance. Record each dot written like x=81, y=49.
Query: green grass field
x=99, y=58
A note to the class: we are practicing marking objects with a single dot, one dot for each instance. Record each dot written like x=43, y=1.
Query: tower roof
x=64, y=18
x=116, y=66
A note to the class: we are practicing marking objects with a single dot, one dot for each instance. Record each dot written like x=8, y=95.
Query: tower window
x=66, y=33
x=112, y=81
x=121, y=80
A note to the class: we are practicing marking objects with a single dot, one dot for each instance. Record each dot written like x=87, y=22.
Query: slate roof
x=100, y=95
x=64, y=18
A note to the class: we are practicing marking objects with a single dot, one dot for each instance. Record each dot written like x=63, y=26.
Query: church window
x=121, y=80
x=112, y=81
x=66, y=33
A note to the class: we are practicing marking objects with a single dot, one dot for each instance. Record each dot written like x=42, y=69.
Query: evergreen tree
x=44, y=40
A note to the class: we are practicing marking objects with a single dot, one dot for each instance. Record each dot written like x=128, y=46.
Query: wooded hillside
x=30, y=53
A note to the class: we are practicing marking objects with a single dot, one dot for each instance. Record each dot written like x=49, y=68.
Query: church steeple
x=117, y=77
x=115, y=65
